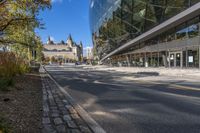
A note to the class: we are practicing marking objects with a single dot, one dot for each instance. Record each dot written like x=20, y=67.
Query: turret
x=50, y=41
x=70, y=41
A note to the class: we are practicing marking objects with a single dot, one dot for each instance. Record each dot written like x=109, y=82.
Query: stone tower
x=70, y=41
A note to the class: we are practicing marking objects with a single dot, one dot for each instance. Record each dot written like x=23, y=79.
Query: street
x=122, y=103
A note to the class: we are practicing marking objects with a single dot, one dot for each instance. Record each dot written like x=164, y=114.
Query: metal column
x=128, y=60
x=182, y=59
x=145, y=60
x=186, y=58
x=151, y=60
x=169, y=60
x=158, y=58
x=199, y=57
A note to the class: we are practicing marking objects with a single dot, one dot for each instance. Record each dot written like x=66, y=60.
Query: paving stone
x=45, y=113
x=48, y=129
x=73, y=131
x=55, y=111
x=56, y=107
x=85, y=129
x=80, y=122
x=53, y=107
x=67, y=118
x=65, y=101
x=72, y=111
x=45, y=97
x=68, y=106
x=58, y=121
x=52, y=102
x=61, y=129
x=55, y=115
x=65, y=112
x=45, y=107
x=71, y=124
x=46, y=120
x=58, y=100
x=61, y=105
x=75, y=116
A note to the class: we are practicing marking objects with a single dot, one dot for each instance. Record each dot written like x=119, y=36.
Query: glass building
x=146, y=33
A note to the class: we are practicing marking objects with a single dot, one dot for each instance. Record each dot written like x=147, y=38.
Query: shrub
x=10, y=66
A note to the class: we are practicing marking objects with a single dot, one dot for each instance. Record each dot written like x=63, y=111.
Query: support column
x=158, y=58
x=128, y=60
x=135, y=58
x=145, y=60
x=169, y=60
x=199, y=56
x=186, y=58
x=151, y=60
x=166, y=59
x=182, y=59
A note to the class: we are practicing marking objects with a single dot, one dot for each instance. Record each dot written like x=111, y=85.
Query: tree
x=18, y=21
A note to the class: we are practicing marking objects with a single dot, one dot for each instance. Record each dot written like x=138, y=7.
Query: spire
x=62, y=42
x=81, y=44
x=70, y=41
x=49, y=40
x=70, y=37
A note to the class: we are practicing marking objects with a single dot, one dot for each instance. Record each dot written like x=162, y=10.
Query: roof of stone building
x=68, y=45
x=57, y=47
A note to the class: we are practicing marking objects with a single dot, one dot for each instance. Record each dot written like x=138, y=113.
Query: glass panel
x=192, y=2
x=193, y=58
x=193, y=28
x=114, y=22
x=172, y=59
x=184, y=58
x=181, y=31
x=178, y=59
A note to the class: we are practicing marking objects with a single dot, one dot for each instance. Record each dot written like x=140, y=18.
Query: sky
x=67, y=17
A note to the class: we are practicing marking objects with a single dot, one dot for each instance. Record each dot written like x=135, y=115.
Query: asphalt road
x=120, y=105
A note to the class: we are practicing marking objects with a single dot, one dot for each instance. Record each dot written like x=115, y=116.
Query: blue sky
x=67, y=17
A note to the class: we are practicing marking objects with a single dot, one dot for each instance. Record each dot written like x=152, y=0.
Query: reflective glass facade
x=115, y=22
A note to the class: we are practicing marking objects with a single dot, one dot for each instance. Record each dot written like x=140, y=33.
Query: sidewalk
x=187, y=73
x=59, y=116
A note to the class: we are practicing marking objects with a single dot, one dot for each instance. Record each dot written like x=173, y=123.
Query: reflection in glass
x=114, y=22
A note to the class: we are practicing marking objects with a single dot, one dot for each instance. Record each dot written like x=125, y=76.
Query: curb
x=92, y=124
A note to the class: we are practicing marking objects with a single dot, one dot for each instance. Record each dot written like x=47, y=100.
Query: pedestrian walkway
x=59, y=116
x=177, y=72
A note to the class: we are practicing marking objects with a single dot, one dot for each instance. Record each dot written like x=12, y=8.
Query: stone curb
x=92, y=124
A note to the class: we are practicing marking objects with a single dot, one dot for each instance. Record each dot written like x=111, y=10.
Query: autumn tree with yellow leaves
x=18, y=21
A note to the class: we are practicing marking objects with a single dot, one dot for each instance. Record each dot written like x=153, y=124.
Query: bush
x=10, y=66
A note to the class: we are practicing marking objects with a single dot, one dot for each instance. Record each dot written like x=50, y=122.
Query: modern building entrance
x=175, y=59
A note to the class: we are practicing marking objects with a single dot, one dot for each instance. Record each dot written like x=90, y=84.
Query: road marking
x=181, y=87
x=185, y=87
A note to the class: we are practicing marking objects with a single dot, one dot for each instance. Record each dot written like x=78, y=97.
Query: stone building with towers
x=68, y=51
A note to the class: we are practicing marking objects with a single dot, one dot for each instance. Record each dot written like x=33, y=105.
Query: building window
x=181, y=31
x=193, y=58
x=193, y=27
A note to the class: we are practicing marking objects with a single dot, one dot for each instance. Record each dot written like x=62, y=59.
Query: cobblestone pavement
x=59, y=116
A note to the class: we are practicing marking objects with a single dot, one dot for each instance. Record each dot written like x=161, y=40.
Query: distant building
x=67, y=52
x=89, y=52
